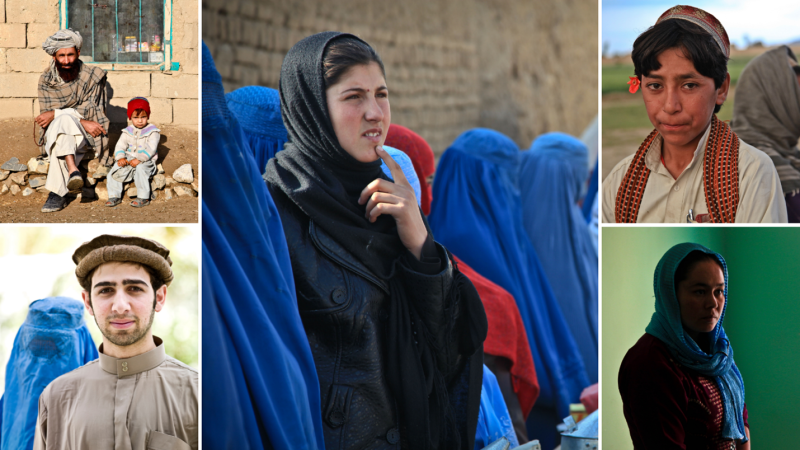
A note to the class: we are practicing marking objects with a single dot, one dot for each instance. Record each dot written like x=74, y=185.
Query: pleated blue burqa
x=260, y=387
x=552, y=176
x=52, y=341
x=477, y=214
x=258, y=111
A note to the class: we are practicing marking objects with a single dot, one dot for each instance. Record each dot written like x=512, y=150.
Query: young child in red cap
x=135, y=156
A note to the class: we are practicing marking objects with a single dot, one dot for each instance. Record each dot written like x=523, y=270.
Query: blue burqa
x=52, y=341
x=476, y=214
x=260, y=387
x=551, y=177
x=258, y=111
x=494, y=421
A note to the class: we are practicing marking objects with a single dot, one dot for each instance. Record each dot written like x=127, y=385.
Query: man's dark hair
x=344, y=53
x=687, y=264
x=155, y=280
x=697, y=44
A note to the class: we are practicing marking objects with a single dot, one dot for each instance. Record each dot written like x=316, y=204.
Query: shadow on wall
x=761, y=320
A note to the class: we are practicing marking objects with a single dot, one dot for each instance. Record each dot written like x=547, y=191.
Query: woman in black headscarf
x=395, y=329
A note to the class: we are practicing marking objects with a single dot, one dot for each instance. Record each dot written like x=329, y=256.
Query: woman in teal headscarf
x=679, y=384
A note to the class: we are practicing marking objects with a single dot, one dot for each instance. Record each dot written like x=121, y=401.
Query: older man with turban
x=72, y=103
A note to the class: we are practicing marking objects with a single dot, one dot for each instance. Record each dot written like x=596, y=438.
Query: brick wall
x=520, y=67
x=25, y=24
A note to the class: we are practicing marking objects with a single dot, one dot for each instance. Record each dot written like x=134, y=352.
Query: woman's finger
x=380, y=197
x=385, y=208
x=377, y=185
x=397, y=172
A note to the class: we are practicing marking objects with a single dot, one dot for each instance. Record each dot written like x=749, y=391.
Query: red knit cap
x=705, y=20
x=421, y=156
x=138, y=103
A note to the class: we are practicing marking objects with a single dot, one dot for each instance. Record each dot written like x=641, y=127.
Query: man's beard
x=68, y=73
x=126, y=337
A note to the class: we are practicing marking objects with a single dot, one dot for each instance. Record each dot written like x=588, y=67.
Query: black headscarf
x=324, y=181
x=316, y=173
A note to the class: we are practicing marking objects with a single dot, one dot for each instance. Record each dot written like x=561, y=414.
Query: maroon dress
x=669, y=406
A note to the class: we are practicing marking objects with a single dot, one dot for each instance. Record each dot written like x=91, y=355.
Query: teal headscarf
x=666, y=325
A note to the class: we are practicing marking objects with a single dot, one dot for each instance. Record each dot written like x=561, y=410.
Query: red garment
x=506, y=336
x=666, y=405
x=421, y=156
x=138, y=103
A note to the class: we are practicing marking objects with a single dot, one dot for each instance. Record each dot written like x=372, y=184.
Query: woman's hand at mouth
x=397, y=200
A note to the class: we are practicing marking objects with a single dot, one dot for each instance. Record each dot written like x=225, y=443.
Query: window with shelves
x=121, y=31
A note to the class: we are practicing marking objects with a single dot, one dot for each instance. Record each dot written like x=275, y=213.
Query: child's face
x=139, y=119
x=679, y=100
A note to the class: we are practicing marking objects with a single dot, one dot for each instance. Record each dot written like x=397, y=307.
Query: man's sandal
x=139, y=202
x=75, y=181
x=114, y=201
x=54, y=203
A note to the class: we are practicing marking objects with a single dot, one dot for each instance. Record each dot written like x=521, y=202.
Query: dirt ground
x=178, y=146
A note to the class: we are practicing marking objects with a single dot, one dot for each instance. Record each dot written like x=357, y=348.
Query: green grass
x=616, y=76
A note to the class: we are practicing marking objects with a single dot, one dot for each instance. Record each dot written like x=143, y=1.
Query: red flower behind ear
x=634, y=85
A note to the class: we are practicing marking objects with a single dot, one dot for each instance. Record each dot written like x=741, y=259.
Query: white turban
x=62, y=39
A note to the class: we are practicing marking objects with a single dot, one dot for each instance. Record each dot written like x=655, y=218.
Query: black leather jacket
x=343, y=306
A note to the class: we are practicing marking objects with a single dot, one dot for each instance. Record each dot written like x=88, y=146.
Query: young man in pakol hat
x=692, y=167
x=134, y=396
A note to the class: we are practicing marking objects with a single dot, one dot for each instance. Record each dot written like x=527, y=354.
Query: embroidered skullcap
x=111, y=248
x=138, y=103
x=62, y=39
x=704, y=20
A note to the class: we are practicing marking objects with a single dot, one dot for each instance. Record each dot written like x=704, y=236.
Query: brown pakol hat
x=109, y=248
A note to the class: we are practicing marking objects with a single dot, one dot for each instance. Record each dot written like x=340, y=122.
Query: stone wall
x=520, y=67
x=25, y=24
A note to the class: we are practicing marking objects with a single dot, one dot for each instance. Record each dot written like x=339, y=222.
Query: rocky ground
x=22, y=194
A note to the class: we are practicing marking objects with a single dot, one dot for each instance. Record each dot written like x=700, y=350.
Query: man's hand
x=45, y=118
x=123, y=162
x=93, y=128
x=134, y=163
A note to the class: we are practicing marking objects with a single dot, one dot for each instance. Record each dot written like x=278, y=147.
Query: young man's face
x=65, y=58
x=679, y=100
x=123, y=302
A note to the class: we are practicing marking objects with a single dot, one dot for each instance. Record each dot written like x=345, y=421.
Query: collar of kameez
x=136, y=364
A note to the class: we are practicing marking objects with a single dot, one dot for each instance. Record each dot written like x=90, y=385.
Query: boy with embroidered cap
x=134, y=396
x=692, y=167
x=135, y=155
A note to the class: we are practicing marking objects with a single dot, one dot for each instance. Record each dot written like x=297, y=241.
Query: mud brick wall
x=25, y=24
x=523, y=68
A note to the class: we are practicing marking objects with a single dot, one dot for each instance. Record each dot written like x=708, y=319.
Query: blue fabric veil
x=666, y=325
x=258, y=111
x=590, y=200
x=260, y=387
x=494, y=421
x=52, y=341
x=408, y=169
x=476, y=213
x=552, y=175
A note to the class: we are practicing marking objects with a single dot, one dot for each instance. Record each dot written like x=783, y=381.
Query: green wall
x=762, y=319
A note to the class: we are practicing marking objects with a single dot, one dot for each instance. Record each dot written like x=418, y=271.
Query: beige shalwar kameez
x=65, y=136
x=148, y=401
x=668, y=200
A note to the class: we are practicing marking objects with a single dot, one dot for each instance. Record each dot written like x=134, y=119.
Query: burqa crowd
x=366, y=344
